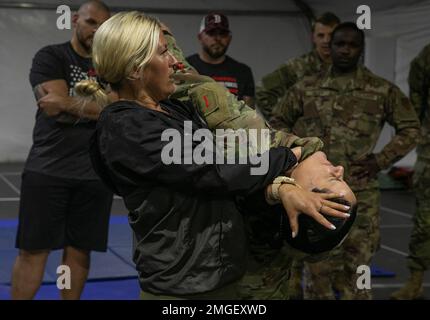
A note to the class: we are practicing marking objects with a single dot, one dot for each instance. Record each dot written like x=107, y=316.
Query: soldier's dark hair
x=327, y=19
x=348, y=26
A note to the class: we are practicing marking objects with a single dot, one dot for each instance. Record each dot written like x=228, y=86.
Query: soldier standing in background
x=276, y=83
x=419, y=245
x=347, y=107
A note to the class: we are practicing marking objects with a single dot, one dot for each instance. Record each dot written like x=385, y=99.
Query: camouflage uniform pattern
x=222, y=110
x=276, y=83
x=419, y=84
x=268, y=273
x=348, y=113
x=338, y=272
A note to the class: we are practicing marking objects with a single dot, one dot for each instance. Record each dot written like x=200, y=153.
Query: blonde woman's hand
x=298, y=201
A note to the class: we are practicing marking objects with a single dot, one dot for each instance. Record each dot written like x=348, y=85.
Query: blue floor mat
x=4, y=292
x=115, y=263
x=123, y=252
x=381, y=273
x=7, y=237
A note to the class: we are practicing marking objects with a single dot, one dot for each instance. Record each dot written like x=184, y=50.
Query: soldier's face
x=321, y=38
x=346, y=48
x=86, y=22
x=317, y=172
x=215, y=42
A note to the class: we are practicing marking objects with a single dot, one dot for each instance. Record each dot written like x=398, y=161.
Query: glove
x=309, y=145
x=367, y=167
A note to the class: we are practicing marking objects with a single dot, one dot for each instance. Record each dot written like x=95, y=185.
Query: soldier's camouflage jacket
x=276, y=83
x=348, y=114
x=419, y=86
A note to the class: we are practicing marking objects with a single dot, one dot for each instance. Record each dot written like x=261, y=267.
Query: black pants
x=57, y=212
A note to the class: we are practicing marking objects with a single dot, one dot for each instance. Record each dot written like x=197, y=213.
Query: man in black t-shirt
x=63, y=203
x=215, y=37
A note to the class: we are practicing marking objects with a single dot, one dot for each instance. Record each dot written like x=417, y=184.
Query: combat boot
x=413, y=288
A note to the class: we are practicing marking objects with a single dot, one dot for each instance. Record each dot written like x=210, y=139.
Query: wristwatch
x=278, y=182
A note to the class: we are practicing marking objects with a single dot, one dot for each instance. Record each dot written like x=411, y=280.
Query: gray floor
x=397, y=208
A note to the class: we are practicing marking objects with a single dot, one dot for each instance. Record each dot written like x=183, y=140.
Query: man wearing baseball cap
x=215, y=37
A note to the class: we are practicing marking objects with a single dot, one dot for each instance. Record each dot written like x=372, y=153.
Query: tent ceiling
x=348, y=7
x=344, y=7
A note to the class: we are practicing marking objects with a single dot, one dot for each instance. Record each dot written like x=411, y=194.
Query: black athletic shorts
x=58, y=212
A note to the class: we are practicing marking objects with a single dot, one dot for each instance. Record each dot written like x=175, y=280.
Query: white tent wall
x=22, y=32
x=396, y=37
x=262, y=40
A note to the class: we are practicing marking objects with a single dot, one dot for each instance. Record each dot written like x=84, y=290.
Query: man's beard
x=215, y=54
x=83, y=43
